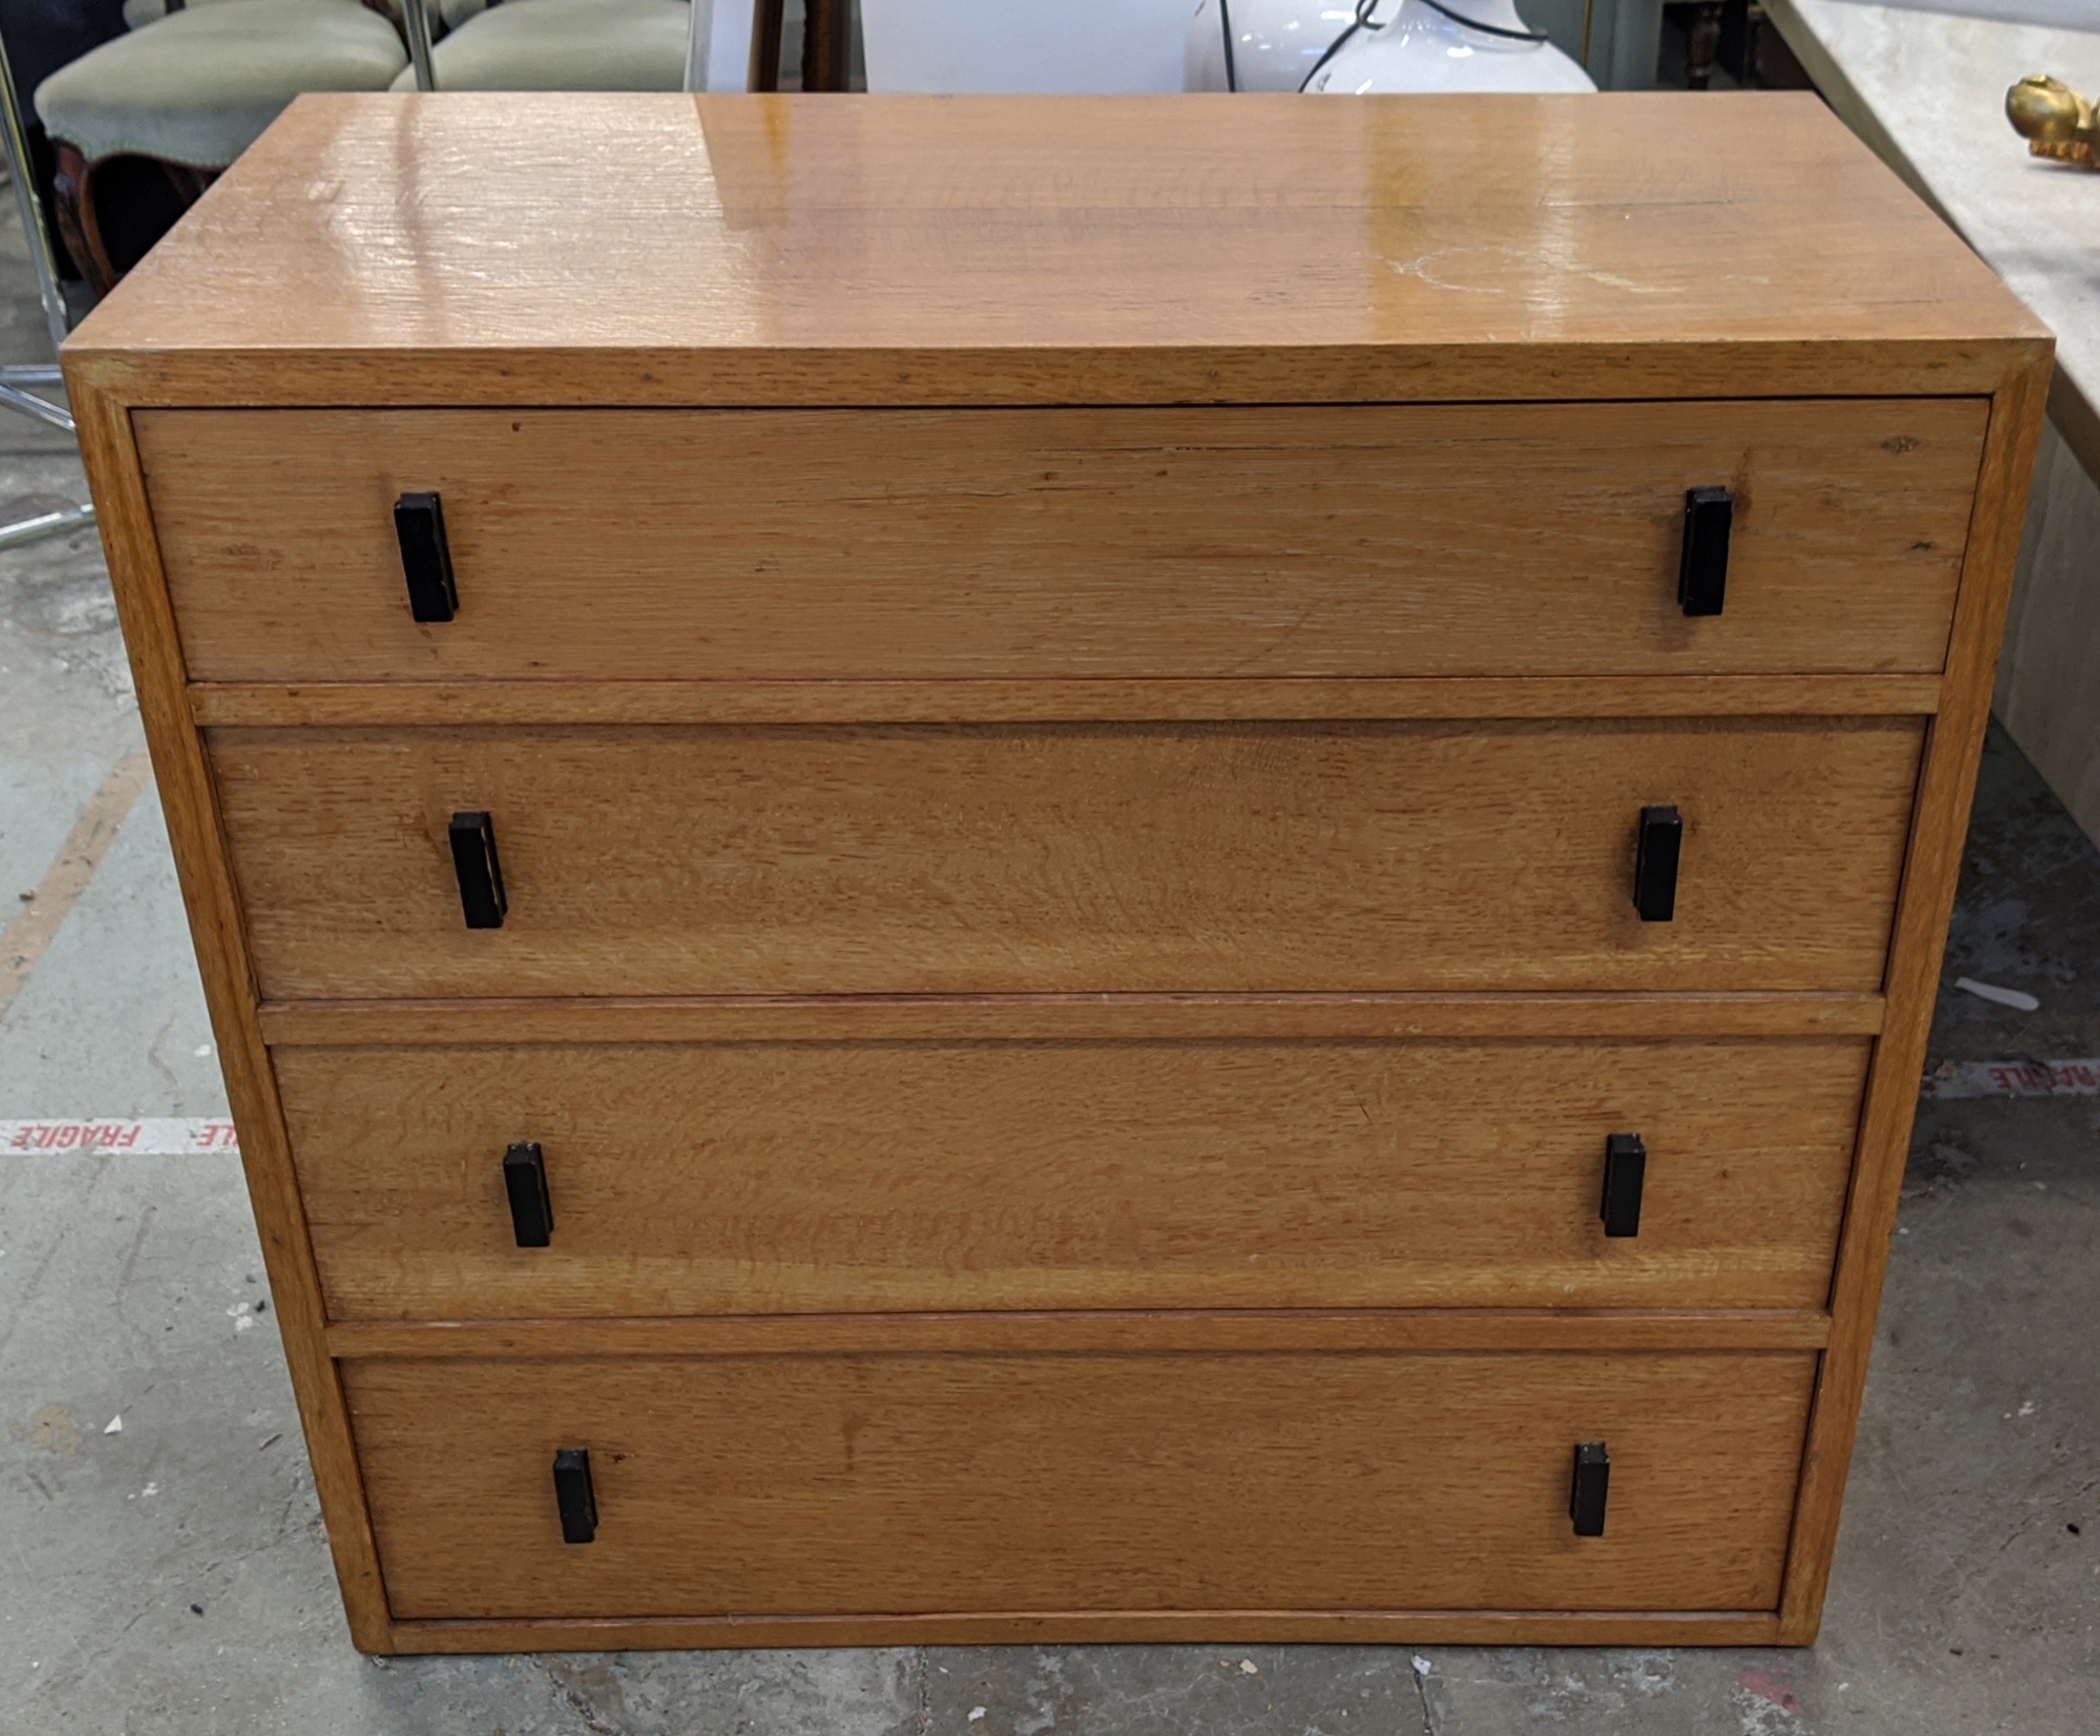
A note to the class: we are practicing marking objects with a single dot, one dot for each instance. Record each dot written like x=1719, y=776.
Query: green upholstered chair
x=183, y=96
x=560, y=45
x=169, y=107
x=626, y=44
x=18, y=380
x=140, y=13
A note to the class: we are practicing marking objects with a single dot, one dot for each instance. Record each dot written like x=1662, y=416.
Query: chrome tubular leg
x=45, y=524
x=418, y=18
x=35, y=408
x=15, y=141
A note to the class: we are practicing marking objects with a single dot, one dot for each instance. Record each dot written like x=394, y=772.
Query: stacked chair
x=143, y=124
x=16, y=380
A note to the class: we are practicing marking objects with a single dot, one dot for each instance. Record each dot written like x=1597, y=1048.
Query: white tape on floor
x=172, y=1137
x=162, y=1138
x=2013, y=1079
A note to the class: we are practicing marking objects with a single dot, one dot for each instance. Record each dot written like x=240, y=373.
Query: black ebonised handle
x=1662, y=840
x=1625, y=1167
x=532, y=1212
x=474, y=859
x=573, y=1495
x=1593, y=1481
x=1702, y=574
x=426, y=560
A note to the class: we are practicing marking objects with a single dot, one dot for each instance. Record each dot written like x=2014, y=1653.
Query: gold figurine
x=2055, y=121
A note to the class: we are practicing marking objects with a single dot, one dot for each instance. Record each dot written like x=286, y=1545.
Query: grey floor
x=172, y=1577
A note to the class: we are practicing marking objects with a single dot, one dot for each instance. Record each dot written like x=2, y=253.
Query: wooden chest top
x=669, y=249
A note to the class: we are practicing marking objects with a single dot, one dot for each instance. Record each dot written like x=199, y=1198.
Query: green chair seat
x=199, y=87
x=443, y=14
x=564, y=45
x=457, y=12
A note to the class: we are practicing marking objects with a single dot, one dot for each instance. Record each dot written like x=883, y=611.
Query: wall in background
x=2048, y=693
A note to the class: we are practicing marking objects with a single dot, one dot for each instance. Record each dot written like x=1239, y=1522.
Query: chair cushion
x=564, y=45
x=139, y=13
x=199, y=87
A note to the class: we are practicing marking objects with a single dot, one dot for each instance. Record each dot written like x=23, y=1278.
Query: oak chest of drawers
x=1098, y=869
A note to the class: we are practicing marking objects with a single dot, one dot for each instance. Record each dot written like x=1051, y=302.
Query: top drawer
x=1380, y=540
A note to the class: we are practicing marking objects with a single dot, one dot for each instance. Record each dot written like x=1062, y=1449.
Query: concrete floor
x=172, y=1577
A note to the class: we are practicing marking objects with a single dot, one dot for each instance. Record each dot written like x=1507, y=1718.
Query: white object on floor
x=2017, y=999
x=1021, y=45
x=115, y=1425
x=1422, y=49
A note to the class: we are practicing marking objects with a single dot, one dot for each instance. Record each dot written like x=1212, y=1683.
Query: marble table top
x=1927, y=90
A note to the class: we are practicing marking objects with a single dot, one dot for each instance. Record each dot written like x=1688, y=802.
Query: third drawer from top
x=543, y=1180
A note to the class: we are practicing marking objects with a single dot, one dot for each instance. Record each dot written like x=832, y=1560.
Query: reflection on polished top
x=764, y=249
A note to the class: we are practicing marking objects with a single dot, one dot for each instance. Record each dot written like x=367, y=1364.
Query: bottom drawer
x=912, y=1484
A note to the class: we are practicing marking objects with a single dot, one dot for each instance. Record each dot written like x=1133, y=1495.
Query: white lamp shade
x=1408, y=46
x=1425, y=50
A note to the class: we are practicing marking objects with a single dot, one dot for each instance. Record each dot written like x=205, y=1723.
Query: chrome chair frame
x=699, y=32
x=15, y=379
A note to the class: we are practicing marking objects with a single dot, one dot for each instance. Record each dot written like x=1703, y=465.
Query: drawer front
x=890, y=1485
x=791, y=1177
x=1077, y=858
x=1384, y=541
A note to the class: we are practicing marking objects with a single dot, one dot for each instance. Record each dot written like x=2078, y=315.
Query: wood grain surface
x=1120, y=858
x=1387, y=540
x=332, y=705
x=1085, y=1331
x=1060, y=1017
x=212, y=907
x=1087, y=1627
x=485, y=248
x=894, y=1485
x=765, y=1179
x=1932, y=871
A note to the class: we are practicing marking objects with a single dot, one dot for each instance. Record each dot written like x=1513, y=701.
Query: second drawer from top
x=1281, y=542
x=1080, y=858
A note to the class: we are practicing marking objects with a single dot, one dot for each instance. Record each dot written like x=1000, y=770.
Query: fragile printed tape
x=174, y=1137
x=2028, y=1078
x=166, y=1138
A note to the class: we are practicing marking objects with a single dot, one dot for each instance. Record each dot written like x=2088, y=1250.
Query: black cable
x=1225, y=24
x=1365, y=9
x=1485, y=29
x=1362, y=20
